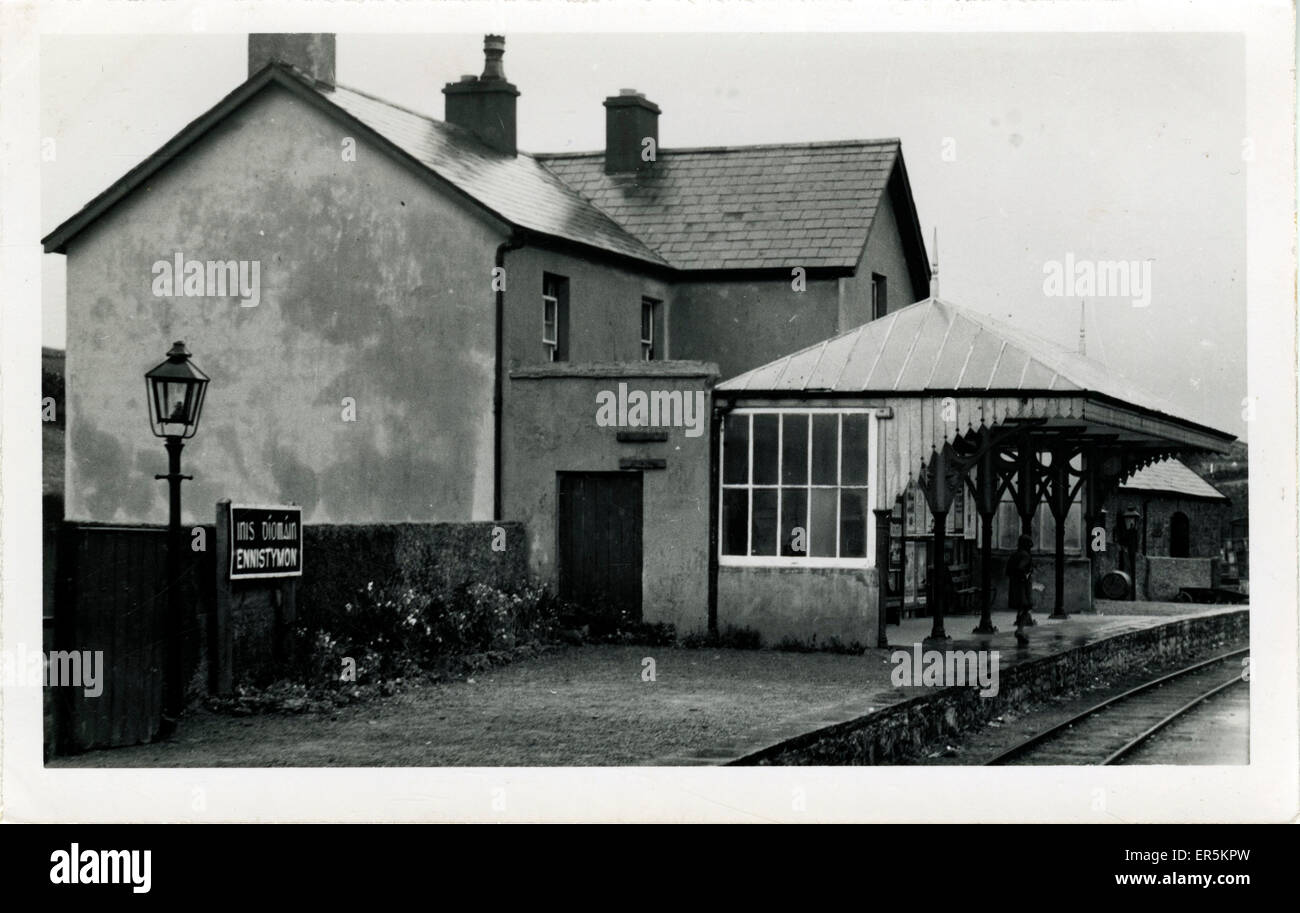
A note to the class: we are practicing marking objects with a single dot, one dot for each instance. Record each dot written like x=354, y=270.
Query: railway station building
x=713, y=386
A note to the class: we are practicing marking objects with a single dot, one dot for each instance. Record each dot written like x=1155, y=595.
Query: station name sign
x=265, y=542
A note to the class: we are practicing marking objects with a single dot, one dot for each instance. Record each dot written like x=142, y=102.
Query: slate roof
x=1173, y=477
x=808, y=204
x=518, y=188
x=744, y=207
x=936, y=346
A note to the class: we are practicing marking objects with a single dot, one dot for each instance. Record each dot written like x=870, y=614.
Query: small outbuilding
x=1180, y=518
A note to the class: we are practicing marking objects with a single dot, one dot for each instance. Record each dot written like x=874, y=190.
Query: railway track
x=1110, y=731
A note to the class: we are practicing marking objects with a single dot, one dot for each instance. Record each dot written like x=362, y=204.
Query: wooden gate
x=600, y=540
x=112, y=597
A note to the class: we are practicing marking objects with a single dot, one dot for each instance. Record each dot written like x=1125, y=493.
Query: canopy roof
x=940, y=348
x=947, y=376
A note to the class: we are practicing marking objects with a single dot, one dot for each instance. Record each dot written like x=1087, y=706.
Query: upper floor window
x=795, y=487
x=555, y=317
x=652, y=330
x=879, y=303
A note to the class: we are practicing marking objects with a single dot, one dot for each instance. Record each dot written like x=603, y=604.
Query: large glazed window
x=795, y=487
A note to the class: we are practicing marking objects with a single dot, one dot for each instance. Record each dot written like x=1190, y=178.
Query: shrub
x=605, y=623
x=432, y=558
x=831, y=645
x=481, y=618
x=730, y=637
x=740, y=638
x=644, y=633
x=391, y=632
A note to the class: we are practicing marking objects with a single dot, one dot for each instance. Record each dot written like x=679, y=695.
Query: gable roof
x=1172, y=476
x=934, y=346
x=725, y=208
x=746, y=207
x=516, y=189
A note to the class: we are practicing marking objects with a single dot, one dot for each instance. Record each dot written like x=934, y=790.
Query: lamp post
x=1129, y=519
x=175, y=391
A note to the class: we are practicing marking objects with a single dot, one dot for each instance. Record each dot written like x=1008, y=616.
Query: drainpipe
x=716, y=414
x=516, y=241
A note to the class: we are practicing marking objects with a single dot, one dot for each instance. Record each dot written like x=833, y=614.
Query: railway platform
x=1048, y=636
x=883, y=717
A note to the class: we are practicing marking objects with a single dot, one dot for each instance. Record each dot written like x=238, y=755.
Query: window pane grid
x=647, y=330
x=749, y=477
x=793, y=499
x=839, y=476
x=550, y=321
x=780, y=455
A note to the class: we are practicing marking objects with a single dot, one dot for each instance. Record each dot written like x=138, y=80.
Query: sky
x=1022, y=150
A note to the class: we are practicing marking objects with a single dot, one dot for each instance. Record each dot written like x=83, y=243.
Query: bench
x=965, y=592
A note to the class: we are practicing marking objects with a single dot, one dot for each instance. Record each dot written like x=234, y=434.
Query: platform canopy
x=951, y=375
x=963, y=401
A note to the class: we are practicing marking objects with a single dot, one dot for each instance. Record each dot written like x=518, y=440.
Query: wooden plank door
x=600, y=540
x=113, y=599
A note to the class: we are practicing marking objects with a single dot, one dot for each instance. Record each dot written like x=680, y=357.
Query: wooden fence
x=112, y=598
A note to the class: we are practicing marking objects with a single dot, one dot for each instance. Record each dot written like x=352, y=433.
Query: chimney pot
x=494, y=48
x=485, y=105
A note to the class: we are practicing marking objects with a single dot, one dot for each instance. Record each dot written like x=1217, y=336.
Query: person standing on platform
x=1020, y=568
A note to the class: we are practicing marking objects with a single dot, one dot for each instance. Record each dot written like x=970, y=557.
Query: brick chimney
x=311, y=55
x=630, y=119
x=485, y=104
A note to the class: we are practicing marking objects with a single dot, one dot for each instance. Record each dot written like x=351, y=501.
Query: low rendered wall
x=812, y=606
x=896, y=733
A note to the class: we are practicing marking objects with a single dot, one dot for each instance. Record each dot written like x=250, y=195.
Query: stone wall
x=1205, y=518
x=1164, y=577
x=896, y=733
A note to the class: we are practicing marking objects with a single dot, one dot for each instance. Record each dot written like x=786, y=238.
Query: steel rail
x=1040, y=737
x=1138, y=740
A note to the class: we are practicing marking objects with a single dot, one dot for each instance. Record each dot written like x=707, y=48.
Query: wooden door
x=111, y=605
x=600, y=540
